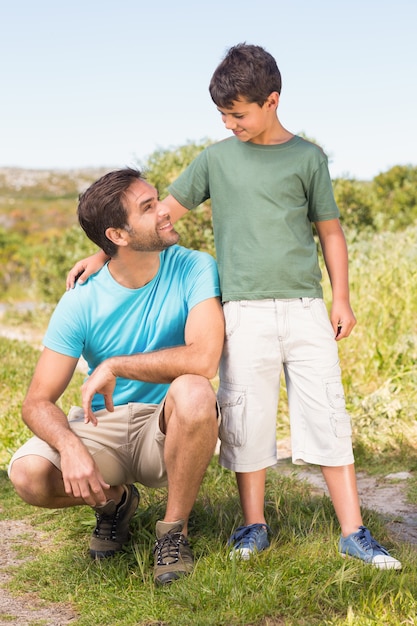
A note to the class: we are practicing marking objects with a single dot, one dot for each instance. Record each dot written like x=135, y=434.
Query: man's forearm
x=48, y=422
x=163, y=366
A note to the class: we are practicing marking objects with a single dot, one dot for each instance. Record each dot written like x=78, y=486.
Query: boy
x=267, y=186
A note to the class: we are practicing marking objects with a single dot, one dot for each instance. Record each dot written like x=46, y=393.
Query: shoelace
x=368, y=542
x=106, y=525
x=245, y=536
x=168, y=548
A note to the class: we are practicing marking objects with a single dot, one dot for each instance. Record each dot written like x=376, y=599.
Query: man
x=151, y=328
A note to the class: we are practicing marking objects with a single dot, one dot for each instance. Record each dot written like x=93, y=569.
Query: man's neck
x=134, y=269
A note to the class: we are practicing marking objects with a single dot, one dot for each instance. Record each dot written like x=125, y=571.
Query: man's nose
x=162, y=210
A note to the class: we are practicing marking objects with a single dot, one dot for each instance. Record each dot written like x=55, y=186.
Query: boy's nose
x=229, y=122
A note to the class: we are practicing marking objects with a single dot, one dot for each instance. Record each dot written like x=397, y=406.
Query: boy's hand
x=342, y=320
x=83, y=269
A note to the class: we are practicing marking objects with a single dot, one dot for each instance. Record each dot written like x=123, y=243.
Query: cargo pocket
x=335, y=393
x=232, y=402
x=341, y=424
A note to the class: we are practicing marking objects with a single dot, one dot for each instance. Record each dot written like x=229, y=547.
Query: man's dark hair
x=101, y=206
x=248, y=72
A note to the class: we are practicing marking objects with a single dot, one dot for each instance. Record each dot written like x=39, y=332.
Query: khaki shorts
x=127, y=445
x=264, y=337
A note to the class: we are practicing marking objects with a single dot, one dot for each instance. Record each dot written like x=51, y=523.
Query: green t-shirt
x=264, y=200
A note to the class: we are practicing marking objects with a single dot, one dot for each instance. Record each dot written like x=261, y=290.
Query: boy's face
x=250, y=122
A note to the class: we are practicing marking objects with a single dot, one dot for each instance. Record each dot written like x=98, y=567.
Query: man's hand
x=102, y=381
x=81, y=476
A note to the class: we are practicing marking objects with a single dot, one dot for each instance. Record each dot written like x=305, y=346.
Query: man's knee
x=193, y=397
x=31, y=477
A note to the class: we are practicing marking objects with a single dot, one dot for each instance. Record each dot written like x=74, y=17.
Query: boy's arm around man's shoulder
x=176, y=209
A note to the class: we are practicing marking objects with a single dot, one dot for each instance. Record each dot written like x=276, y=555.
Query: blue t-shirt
x=102, y=318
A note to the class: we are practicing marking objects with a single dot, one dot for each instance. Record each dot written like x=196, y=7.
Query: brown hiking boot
x=172, y=553
x=112, y=527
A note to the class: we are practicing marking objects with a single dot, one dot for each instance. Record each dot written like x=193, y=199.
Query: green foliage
x=355, y=203
x=379, y=358
x=162, y=168
x=14, y=259
x=396, y=197
x=17, y=363
x=56, y=259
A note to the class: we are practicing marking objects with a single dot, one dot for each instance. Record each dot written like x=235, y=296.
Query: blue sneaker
x=247, y=540
x=362, y=545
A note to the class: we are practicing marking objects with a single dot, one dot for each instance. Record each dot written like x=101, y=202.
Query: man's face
x=248, y=121
x=149, y=224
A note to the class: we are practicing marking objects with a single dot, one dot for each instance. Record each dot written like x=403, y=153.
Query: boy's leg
x=248, y=395
x=341, y=483
x=251, y=487
x=320, y=425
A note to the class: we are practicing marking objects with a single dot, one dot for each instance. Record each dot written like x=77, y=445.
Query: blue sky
x=105, y=83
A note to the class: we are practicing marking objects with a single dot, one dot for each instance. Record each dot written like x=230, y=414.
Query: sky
x=101, y=83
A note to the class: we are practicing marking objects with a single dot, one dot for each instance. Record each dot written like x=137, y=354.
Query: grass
x=301, y=580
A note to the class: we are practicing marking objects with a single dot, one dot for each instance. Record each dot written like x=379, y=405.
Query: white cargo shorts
x=264, y=337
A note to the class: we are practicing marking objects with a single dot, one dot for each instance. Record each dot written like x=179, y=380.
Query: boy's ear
x=118, y=236
x=273, y=100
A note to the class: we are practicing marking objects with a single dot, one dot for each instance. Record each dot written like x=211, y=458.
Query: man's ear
x=118, y=236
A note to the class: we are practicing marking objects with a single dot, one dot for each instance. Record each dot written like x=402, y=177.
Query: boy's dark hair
x=246, y=71
x=101, y=206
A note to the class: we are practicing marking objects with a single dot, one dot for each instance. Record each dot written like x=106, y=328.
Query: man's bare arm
x=42, y=415
x=204, y=337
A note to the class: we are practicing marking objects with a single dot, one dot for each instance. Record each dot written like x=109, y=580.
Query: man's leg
x=191, y=429
x=39, y=483
x=36, y=475
x=190, y=423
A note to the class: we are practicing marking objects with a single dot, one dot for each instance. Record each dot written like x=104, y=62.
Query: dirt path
x=386, y=495
x=28, y=609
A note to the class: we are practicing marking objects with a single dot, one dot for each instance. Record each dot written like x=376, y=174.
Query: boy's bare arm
x=85, y=268
x=176, y=210
x=335, y=253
